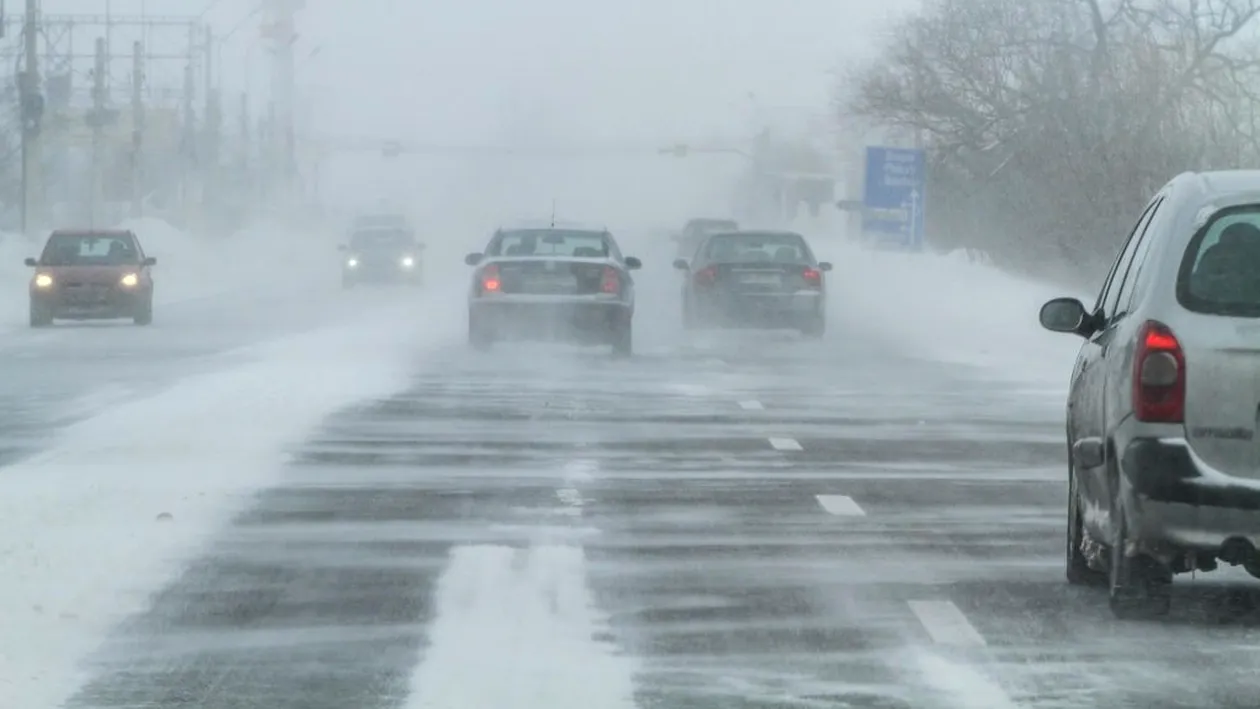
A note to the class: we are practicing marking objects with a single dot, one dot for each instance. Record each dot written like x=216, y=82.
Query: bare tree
x=1051, y=122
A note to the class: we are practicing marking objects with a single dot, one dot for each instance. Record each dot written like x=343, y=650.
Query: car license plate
x=761, y=279
x=554, y=283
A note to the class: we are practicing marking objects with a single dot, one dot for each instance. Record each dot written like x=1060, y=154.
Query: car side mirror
x=150, y=261
x=472, y=259
x=31, y=262
x=633, y=264
x=1063, y=315
x=680, y=264
x=824, y=265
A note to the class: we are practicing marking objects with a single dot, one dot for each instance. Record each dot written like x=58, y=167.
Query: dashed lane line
x=785, y=444
x=751, y=405
x=840, y=505
x=945, y=623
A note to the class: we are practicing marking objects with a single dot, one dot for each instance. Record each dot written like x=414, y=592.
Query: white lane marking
x=945, y=623
x=751, y=405
x=785, y=444
x=692, y=389
x=960, y=685
x=840, y=505
x=575, y=472
x=512, y=623
x=715, y=362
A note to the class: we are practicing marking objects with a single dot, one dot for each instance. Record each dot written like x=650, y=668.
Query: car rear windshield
x=379, y=239
x=90, y=250
x=756, y=248
x=1220, y=273
x=551, y=242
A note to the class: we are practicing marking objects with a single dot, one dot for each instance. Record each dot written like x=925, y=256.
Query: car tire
x=815, y=328
x=144, y=314
x=478, y=337
x=41, y=316
x=623, y=339
x=1139, y=587
x=1077, y=566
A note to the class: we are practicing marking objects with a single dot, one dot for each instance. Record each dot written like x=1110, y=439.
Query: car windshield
x=713, y=227
x=754, y=248
x=1218, y=275
x=381, y=240
x=551, y=242
x=90, y=250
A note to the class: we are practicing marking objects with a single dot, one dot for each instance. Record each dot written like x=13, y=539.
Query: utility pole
x=189, y=138
x=32, y=110
x=99, y=103
x=246, y=179
x=283, y=33
x=210, y=161
x=137, y=129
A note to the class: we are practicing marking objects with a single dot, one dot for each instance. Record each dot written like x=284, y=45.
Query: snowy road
x=737, y=523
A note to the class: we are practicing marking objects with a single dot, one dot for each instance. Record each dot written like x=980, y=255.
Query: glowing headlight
x=130, y=280
x=352, y=262
x=408, y=262
x=43, y=280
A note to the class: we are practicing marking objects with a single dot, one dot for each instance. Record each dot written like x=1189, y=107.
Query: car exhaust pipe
x=1237, y=550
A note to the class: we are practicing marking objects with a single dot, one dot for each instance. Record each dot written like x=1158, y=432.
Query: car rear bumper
x=760, y=310
x=390, y=274
x=1173, y=498
x=542, y=318
x=90, y=305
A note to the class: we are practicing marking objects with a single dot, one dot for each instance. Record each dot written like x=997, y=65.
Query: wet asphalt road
x=759, y=523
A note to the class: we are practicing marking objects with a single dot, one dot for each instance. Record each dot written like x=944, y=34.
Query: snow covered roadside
x=951, y=309
x=86, y=537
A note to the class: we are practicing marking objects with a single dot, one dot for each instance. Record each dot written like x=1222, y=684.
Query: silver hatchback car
x=1164, y=405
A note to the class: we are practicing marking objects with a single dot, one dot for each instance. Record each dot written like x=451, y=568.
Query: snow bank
x=949, y=308
x=86, y=534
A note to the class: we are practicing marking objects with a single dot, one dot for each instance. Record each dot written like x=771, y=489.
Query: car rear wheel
x=41, y=315
x=479, y=337
x=815, y=328
x=1139, y=587
x=144, y=313
x=1078, y=571
x=623, y=339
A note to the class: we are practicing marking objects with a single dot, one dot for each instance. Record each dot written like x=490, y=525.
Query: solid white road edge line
x=751, y=405
x=785, y=444
x=945, y=623
x=840, y=505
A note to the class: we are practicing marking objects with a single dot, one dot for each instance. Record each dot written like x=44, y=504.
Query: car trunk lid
x=550, y=276
x=1222, y=396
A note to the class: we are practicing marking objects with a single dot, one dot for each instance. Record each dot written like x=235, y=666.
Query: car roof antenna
x=553, y=212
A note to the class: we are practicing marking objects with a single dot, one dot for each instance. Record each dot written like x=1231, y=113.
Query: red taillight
x=490, y=279
x=812, y=276
x=1159, y=375
x=706, y=276
x=611, y=282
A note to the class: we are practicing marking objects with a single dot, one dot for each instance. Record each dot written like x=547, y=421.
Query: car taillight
x=812, y=276
x=611, y=282
x=706, y=276
x=490, y=279
x=1159, y=375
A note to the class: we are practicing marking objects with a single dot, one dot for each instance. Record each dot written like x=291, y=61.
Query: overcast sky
x=490, y=70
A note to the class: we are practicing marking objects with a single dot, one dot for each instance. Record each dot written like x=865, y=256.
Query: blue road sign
x=894, y=196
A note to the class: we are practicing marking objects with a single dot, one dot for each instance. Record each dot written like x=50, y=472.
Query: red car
x=91, y=274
